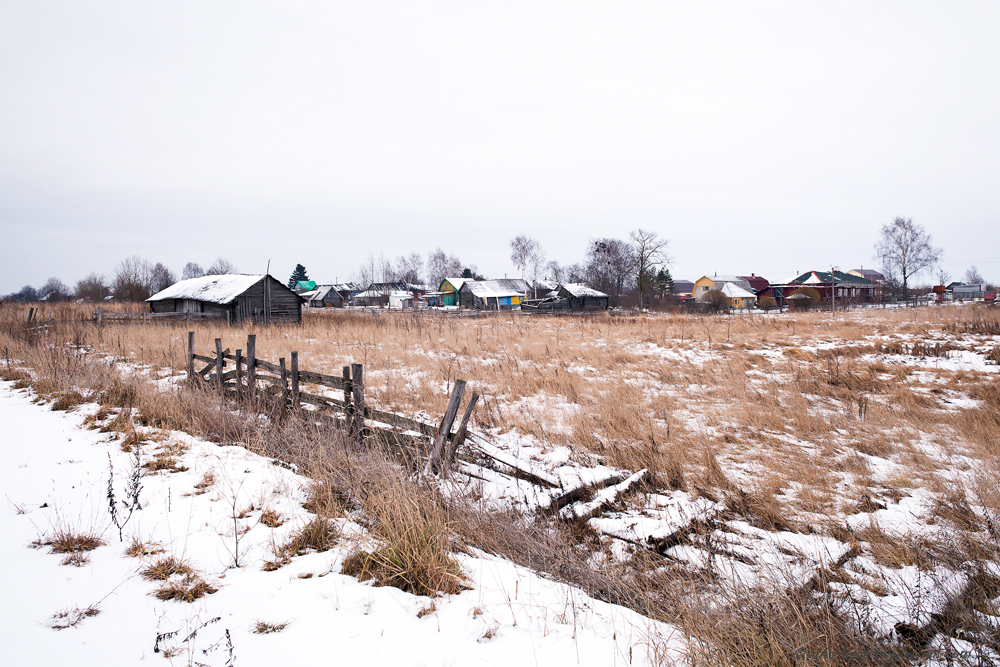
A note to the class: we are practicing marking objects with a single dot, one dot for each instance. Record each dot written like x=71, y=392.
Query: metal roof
x=734, y=291
x=823, y=278
x=214, y=289
x=454, y=282
x=579, y=291
x=490, y=288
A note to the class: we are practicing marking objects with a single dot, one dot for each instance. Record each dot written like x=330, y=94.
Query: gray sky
x=766, y=137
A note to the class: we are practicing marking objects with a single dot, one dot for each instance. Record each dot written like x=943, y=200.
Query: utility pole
x=833, y=291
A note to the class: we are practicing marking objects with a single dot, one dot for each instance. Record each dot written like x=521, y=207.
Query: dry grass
x=776, y=417
x=164, y=568
x=187, y=589
x=138, y=547
x=66, y=540
x=265, y=628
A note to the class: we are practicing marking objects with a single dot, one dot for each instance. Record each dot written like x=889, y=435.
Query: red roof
x=757, y=283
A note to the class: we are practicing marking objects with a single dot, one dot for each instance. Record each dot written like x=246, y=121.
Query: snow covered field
x=55, y=474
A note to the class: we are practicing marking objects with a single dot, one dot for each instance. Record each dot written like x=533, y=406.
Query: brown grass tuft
x=188, y=589
x=164, y=568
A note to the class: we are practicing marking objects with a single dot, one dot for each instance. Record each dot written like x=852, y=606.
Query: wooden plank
x=206, y=369
x=190, y=364
x=219, y=361
x=284, y=380
x=295, y=380
x=441, y=439
x=348, y=390
x=400, y=421
x=239, y=374
x=331, y=381
x=273, y=379
x=603, y=499
x=322, y=401
x=267, y=366
x=358, y=390
x=462, y=432
x=252, y=365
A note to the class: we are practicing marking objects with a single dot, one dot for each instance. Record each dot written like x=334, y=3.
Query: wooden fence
x=248, y=372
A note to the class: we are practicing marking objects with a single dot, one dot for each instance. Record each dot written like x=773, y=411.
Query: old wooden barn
x=581, y=297
x=238, y=298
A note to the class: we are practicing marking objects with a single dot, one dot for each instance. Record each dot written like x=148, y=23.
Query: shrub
x=716, y=300
x=767, y=302
x=809, y=292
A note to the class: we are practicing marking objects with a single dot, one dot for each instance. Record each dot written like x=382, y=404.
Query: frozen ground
x=55, y=474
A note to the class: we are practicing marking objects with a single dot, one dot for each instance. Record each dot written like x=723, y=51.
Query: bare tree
x=650, y=252
x=133, y=279
x=93, y=287
x=192, y=270
x=716, y=300
x=535, y=259
x=556, y=272
x=905, y=250
x=441, y=265
x=972, y=277
x=521, y=250
x=221, y=267
x=53, y=290
x=609, y=266
x=409, y=268
x=162, y=278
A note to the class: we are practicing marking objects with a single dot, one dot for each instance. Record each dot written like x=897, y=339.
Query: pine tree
x=664, y=282
x=298, y=274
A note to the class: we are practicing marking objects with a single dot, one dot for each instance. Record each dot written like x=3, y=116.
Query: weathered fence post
x=219, y=363
x=358, y=390
x=441, y=439
x=31, y=313
x=98, y=316
x=239, y=374
x=460, y=434
x=190, y=367
x=295, y=380
x=252, y=366
x=284, y=382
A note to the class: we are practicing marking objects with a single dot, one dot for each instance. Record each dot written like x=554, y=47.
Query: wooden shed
x=503, y=294
x=260, y=299
x=581, y=297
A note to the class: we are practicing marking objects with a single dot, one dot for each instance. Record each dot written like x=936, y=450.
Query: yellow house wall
x=699, y=287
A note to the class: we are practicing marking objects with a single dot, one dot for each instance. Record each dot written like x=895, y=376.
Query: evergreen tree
x=298, y=274
x=664, y=282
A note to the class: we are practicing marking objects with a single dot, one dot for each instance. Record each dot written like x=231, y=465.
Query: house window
x=705, y=288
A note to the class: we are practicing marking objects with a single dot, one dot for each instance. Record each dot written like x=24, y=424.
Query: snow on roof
x=734, y=291
x=738, y=280
x=579, y=291
x=455, y=282
x=214, y=289
x=490, y=288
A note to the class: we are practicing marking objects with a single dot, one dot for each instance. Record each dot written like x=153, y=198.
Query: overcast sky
x=766, y=137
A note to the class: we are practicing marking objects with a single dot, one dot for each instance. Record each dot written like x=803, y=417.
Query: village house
x=705, y=284
x=449, y=288
x=581, y=297
x=239, y=298
x=739, y=298
x=503, y=294
x=849, y=288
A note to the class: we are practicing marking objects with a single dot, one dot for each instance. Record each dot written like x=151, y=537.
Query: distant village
x=615, y=274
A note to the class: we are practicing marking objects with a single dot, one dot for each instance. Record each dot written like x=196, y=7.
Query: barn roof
x=579, y=291
x=214, y=289
x=454, y=282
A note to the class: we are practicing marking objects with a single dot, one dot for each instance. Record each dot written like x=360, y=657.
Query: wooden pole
x=219, y=363
x=463, y=431
x=358, y=390
x=284, y=381
x=98, y=316
x=239, y=374
x=190, y=367
x=252, y=366
x=295, y=380
x=348, y=405
x=441, y=439
x=31, y=313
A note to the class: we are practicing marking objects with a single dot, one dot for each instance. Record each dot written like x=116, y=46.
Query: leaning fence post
x=348, y=406
x=190, y=367
x=284, y=382
x=441, y=439
x=460, y=434
x=218, y=362
x=358, y=389
x=252, y=366
x=239, y=374
x=295, y=380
